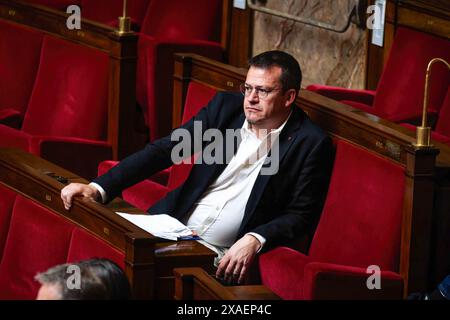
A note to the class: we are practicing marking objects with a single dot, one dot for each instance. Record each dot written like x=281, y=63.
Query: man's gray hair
x=91, y=286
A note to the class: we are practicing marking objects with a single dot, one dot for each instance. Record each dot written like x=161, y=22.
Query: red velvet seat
x=144, y=194
x=20, y=50
x=66, y=119
x=84, y=245
x=356, y=230
x=399, y=95
x=170, y=27
x=108, y=11
x=38, y=239
x=7, y=198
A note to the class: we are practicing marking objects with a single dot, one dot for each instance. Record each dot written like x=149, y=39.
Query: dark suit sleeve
x=305, y=204
x=155, y=156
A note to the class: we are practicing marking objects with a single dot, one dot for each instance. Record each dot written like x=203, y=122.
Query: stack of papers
x=160, y=225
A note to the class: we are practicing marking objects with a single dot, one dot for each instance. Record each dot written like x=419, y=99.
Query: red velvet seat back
x=84, y=245
x=361, y=221
x=20, y=49
x=70, y=96
x=400, y=90
x=108, y=11
x=7, y=198
x=37, y=240
x=181, y=19
x=198, y=96
x=443, y=122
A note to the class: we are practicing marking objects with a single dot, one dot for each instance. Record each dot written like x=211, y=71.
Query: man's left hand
x=235, y=263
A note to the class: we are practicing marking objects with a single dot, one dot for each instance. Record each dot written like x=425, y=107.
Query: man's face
x=266, y=112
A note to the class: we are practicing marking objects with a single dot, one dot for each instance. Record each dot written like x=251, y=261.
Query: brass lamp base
x=423, y=137
x=124, y=25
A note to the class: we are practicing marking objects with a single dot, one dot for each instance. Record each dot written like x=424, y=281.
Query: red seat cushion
x=70, y=96
x=84, y=245
x=20, y=49
x=285, y=283
x=145, y=194
x=13, y=138
x=361, y=219
x=37, y=240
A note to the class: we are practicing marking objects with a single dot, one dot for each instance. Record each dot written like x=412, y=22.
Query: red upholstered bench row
x=33, y=239
x=360, y=226
x=53, y=98
x=56, y=93
x=165, y=27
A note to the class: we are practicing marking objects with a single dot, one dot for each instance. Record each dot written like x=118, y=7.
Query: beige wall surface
x=326, y=57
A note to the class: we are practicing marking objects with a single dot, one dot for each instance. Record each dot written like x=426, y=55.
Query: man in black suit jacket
x=273, y=208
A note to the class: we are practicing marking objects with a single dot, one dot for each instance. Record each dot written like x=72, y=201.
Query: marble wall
x=325, y=57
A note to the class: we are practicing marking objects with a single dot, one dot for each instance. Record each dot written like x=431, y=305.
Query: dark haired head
x=111, y=275
x=291, y=74
x=101, y=279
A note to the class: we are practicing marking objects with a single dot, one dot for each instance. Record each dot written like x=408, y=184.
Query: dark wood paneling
x=241, y=31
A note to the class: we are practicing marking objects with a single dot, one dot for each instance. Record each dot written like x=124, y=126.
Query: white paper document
x=160, y=225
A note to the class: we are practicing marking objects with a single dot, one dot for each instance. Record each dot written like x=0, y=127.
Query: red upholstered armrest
x=337, y=93
x=80, y=156
x=11, y=118
x=331, y=281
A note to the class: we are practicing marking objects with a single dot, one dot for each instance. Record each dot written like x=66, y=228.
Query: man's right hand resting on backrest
x=78, y=189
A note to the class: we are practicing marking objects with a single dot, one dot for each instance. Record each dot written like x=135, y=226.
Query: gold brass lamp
x=124, y=21
x=424, y=132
